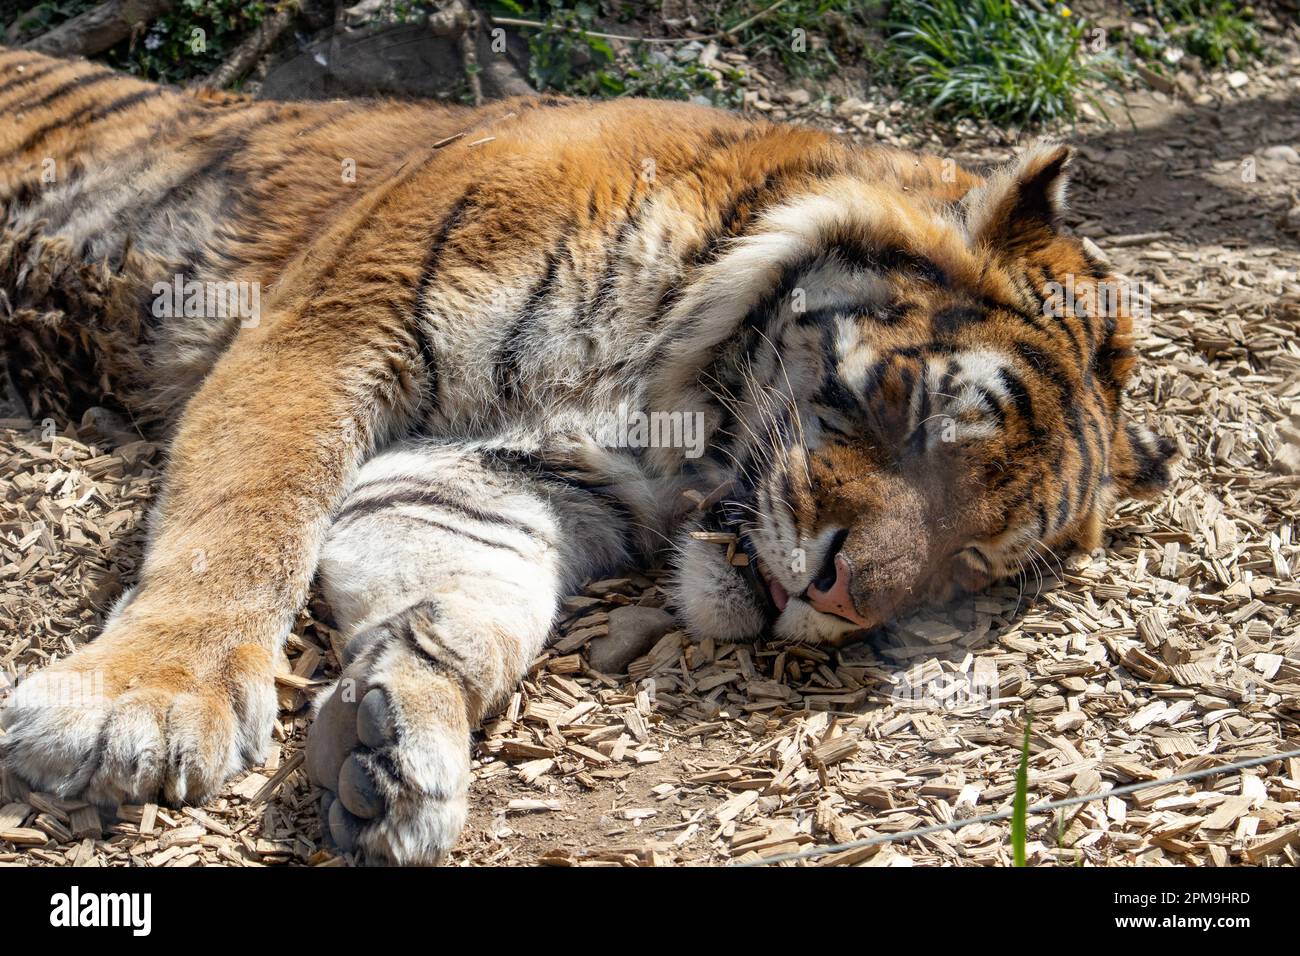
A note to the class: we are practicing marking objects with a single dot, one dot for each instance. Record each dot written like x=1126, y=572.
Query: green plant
x=42, y=16
x=1217, y=31
x=1221, y=31
x=809, y=37
x=995, y=59
x=651, y=73
x=1020, y=802
x=566, y=55
x=190, y=41
x=563, y=54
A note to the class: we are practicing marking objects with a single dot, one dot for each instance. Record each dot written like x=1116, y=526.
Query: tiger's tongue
x=779, y=597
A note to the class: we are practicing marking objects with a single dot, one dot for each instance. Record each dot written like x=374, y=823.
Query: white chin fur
x=712, y=598
x=800, y=621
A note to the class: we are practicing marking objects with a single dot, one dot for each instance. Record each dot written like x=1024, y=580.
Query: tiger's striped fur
x=891, y=410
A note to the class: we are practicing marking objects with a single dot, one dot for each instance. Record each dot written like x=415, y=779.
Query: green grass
x=994, y=59
x=1020, y=803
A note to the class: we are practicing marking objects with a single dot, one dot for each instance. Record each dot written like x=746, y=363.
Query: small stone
x=797, y=97
x=1292, y=220
x=633, y=630
x=1286, y=154
x=691, y=51
x=850, y=107
x=1237, y=79
x=1287, y=460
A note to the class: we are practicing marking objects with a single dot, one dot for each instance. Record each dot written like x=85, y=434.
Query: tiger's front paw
x=390, y=747
x=142, y=711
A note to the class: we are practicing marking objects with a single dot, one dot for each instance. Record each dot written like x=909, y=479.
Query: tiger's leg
x=444, y=569
x=177, y=693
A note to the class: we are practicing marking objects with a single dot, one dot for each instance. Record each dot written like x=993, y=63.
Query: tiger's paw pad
x=390, y=749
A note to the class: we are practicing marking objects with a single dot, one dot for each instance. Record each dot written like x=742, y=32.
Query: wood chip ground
x=1176, y=648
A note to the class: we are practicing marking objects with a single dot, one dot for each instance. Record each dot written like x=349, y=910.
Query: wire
x=1004, y=814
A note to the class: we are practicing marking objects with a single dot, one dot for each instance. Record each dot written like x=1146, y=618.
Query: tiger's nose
x=833, y=597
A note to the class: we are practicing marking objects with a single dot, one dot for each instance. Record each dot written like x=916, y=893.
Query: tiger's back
x=116, y=189
x=113, y=186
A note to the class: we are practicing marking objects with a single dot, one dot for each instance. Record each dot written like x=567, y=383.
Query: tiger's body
x=420, y=410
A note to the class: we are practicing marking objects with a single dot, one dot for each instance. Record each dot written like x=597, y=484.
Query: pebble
x=633, y=630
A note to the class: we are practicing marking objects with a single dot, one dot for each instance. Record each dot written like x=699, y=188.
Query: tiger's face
x=934, y=403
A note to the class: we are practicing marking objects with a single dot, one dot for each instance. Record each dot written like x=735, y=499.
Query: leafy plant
x=190, y=41
x=1217, y=31
x=566, y=55
x=42, y=16
x=993, y=58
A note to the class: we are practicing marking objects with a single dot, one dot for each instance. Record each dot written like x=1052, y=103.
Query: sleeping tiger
x=453, y=305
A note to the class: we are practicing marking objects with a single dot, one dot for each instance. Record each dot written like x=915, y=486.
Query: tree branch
x=252, y=49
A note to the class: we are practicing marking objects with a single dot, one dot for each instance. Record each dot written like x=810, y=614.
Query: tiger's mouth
x=770, y=596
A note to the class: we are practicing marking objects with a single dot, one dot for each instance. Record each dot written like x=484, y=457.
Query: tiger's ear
x=1140, y=461
x=1019, y=207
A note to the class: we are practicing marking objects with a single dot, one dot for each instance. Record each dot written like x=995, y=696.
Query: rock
x=1287, y=460
x=1237, y=79
x=850, y=107
x=690, y=52
x=1156, y=81
x=1292, y=220
x=385, y=59
x=108, y=425
x=1286, y=154
x=633, y=630
x=798, y=97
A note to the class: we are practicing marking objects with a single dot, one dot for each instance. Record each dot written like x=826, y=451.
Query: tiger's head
x=925, y=395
